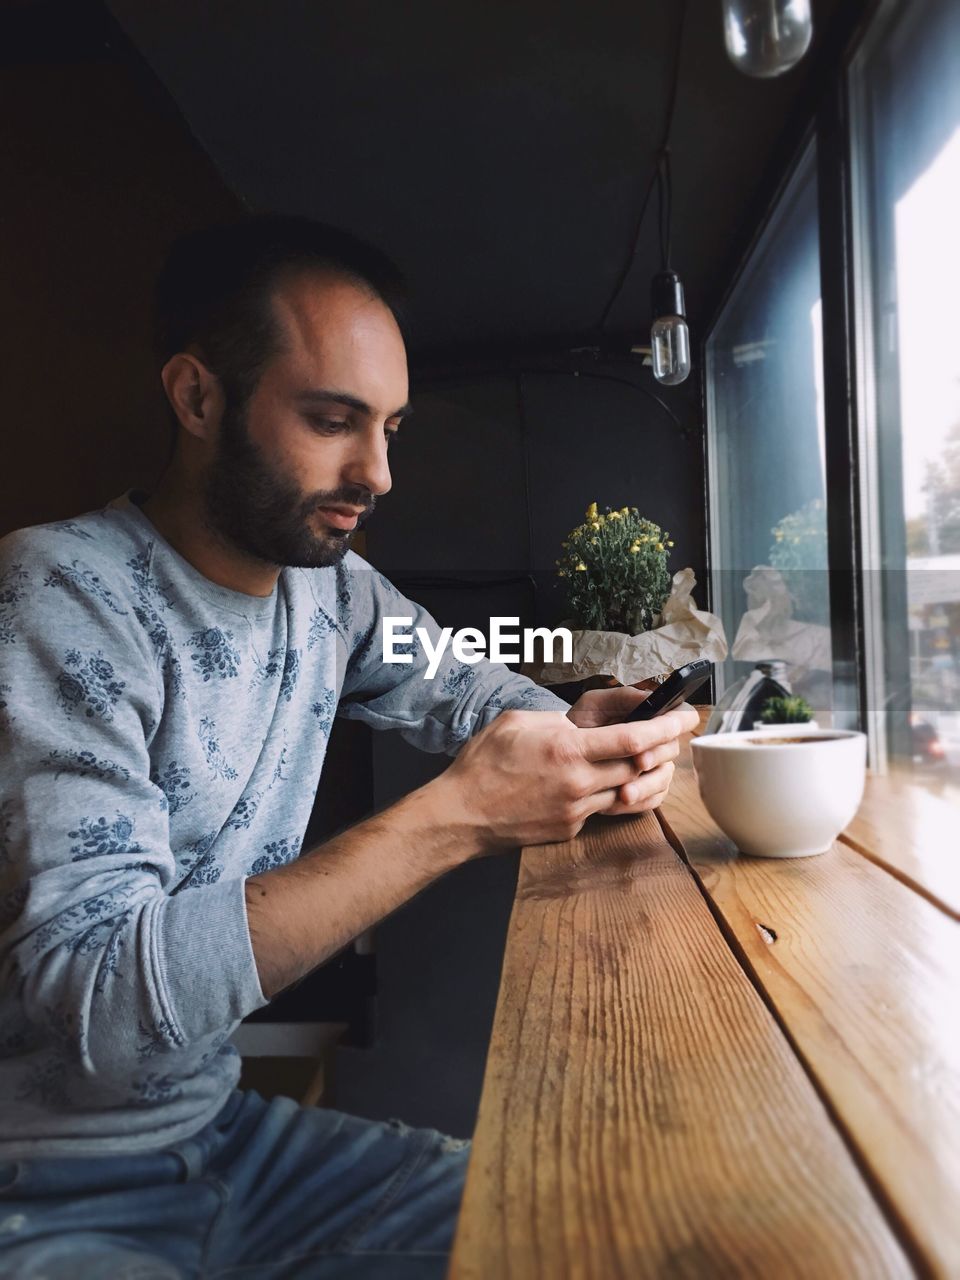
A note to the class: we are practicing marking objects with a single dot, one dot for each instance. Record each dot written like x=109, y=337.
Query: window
x=766, y=458
x=905, y=97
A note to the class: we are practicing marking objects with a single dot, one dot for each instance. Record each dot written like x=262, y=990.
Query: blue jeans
x=268, y=1190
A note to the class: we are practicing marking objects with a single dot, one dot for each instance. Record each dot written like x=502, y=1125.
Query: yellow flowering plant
x=614, y=568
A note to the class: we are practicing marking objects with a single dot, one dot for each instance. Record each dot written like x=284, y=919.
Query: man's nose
x=367, y=464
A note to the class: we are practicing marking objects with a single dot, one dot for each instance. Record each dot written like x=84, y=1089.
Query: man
x=169, y=670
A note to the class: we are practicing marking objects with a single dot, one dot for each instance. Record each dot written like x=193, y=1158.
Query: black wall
x=99, y=174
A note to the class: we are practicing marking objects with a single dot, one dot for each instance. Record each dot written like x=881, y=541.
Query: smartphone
x=677, y=687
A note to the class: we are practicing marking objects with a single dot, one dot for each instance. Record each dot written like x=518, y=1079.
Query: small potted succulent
x=790, y=711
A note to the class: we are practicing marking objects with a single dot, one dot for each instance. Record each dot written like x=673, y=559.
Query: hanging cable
x=665, y=208
x=413, y=582
x=525, y=446
x=655, y=176
x=436, y=379
x=634, y=386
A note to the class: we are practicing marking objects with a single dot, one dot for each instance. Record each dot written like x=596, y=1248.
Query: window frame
x=833, y=121
x=885, y=589
x=787, y=186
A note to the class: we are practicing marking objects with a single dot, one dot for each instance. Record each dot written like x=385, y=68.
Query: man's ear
x=195, y=394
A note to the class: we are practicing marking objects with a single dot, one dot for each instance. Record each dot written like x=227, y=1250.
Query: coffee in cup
x=768, y=740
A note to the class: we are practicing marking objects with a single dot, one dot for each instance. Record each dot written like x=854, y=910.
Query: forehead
x=336, y=333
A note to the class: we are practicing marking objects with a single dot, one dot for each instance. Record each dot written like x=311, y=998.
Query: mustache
x=345, y=498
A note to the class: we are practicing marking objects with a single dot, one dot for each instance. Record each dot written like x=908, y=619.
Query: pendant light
x=764, y=38
x=669, y=334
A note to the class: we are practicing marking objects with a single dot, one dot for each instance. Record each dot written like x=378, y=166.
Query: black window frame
x=825, y=115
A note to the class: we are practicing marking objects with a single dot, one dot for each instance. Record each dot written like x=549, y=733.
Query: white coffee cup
x=781, y=795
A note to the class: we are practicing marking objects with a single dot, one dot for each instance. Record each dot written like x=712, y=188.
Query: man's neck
x=176, y=511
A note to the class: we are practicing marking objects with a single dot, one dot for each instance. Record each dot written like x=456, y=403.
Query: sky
x=928, y=287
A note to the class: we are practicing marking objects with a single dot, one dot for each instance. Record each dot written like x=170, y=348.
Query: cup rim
x=747, y=739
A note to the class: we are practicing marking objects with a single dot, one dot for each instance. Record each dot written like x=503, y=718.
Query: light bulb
x=766, y=37
x=670, y=339
x=669, y=335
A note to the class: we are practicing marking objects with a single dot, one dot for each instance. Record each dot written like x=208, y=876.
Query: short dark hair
x=215, y=285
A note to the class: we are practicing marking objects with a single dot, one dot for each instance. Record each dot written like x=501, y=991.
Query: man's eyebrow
x=348, y=401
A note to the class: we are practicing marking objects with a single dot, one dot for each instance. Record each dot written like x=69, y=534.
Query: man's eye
x=328, y=425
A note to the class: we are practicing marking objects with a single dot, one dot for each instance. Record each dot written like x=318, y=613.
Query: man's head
x=284, y=364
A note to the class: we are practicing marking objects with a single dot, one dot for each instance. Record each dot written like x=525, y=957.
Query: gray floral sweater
x=161, y=738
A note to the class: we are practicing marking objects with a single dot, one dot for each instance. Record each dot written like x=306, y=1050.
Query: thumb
x=618, y=703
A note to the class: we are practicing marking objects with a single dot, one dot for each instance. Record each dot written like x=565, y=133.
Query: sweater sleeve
x=437, y=713
x=102, y=952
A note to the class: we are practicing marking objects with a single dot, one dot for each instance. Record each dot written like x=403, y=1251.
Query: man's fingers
x=640, y=796
x=601, y=801
x=614, y=741
x=658, y=755
x=648, y=785
x=605, y=706
x=613, y=773
x=618, y=703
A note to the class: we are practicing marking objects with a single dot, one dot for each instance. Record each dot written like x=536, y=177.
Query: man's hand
x=533, y=777
x=612, y=706
x=530, y=777
x=606, y=706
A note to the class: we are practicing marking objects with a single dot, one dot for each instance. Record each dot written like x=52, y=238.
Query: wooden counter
x=706, y=1065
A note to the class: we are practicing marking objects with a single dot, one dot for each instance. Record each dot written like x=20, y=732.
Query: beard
x=258, y=509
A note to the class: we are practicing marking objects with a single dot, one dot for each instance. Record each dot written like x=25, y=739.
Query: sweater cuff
x=206, y=966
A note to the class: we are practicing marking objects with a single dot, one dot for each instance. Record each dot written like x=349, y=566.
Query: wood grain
x=864, y=975
x=642, y=1113
x=914, y=834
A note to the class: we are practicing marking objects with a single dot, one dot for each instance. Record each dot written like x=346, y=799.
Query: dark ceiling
x=498, y=150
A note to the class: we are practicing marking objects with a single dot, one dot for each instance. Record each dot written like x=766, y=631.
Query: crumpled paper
x=683, y=634
x=769, y=630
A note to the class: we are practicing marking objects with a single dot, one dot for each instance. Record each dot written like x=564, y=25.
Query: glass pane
x=906, y=91
x=766, y=455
